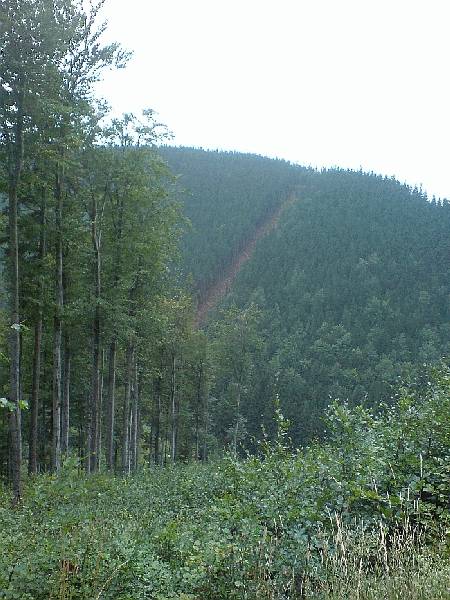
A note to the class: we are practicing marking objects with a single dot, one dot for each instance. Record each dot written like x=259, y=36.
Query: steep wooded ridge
x=227, y=197
x=217, y=292
x=351, y=288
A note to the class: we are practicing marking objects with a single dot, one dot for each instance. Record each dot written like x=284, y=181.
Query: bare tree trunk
x=56, y=406
x=80, y=441
x=166, y=443
x=36, y=377
x=238, y=418
x=130, y=429
x=87, y=431
x=197, y=413
x=110, y=407
x=95, y=393
x=57, y=332
x=206, y=431
x=34, y=406
x=14, y=344
x=15, y=431
x=44, y=431
x=118, y=210
x=126, y=411
x=100, y=411
x=96, y=354
x=65, y=413
x=173, y=407
x=65, y=408
x=134, y=421
x=157, y=420
x=139, y=434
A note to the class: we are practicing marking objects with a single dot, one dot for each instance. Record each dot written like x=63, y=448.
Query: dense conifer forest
x=346, y=297
x=221, y=375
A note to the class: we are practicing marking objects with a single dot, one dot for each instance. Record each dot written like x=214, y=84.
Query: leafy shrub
x=363, y=511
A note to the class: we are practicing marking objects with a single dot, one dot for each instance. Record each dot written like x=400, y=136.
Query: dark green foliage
x=355, y=282
x=352, y=285
x=273, y=526
x=226, y=196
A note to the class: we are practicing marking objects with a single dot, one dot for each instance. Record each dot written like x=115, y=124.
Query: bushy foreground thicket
x=362, y=515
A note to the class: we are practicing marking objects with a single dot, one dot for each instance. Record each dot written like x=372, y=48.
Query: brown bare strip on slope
x=219, y=290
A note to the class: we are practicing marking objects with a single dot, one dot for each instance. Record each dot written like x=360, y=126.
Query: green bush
x=363, y=514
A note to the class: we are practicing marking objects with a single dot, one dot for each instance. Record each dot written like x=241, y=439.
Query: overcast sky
x=353, y=83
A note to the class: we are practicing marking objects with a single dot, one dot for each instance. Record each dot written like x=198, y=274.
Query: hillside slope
x=226, y=197
x=216, y=293
x=352, y=286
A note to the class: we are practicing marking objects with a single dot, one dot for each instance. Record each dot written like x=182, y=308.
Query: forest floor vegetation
x=362, y=515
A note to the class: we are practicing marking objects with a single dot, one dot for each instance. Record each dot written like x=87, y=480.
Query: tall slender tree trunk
x=44, y=430
x=15, y=429
x=238, y=418
x=197, y=417
x=173, y=407
x=126, y=411
x=110, y=406
x=37, y=352
x=95, y=392
x=100, y=410
x=34, y=405
x=57, y=327
x=96, y=353
x=65, y=407
x=14, y=345
x=118, y=209
x=139, y=434
x=206, y=430
x=165, y=442
x=134, y=420
x=157, y=421
x=86, y=430
x=65, y=413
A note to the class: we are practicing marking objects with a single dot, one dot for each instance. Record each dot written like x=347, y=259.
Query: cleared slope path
x=221, y=288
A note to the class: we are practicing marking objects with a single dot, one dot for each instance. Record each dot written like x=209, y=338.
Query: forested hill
x=226, y=196
x=147, y=450
x=350, y=292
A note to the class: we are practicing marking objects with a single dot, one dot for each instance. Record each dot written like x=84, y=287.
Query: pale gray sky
x=322, y=82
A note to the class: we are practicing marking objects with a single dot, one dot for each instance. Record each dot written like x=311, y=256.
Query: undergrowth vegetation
x=363, y=515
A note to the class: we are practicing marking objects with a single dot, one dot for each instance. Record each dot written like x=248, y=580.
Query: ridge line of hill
x=216, y=292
